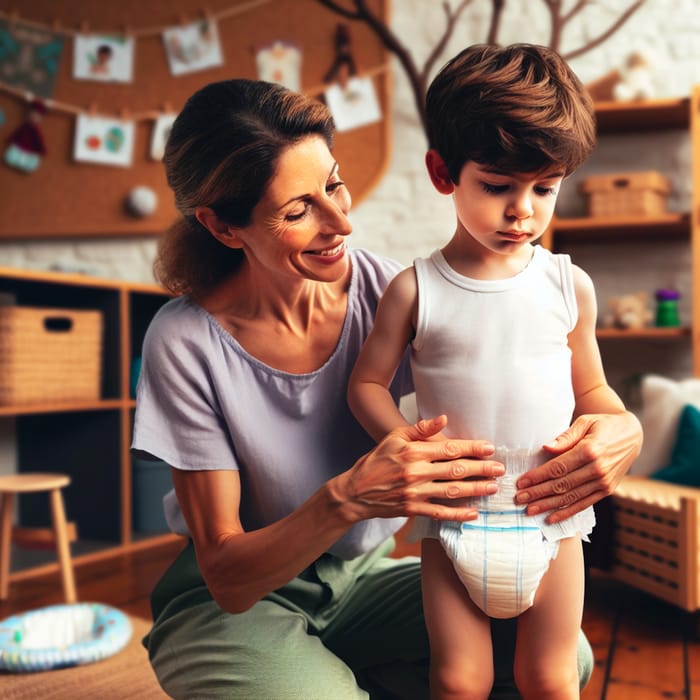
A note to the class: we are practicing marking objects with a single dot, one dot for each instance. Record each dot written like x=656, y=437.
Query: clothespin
x=343, y=66
x=125, y=114
x=92, y=109
x=84, y=27
x=167, y=108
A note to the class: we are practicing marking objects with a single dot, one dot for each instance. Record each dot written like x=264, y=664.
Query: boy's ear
x=438, y=172
x=223, y=232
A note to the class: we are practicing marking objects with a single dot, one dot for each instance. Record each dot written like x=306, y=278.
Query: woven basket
x=49, y=355
x=626, y=194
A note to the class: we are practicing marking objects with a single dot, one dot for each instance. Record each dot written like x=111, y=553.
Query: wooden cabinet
x=566, y=234
x=88, y=440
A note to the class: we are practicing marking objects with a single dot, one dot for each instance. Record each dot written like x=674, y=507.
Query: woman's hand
x=409, y=474
x=591, y=458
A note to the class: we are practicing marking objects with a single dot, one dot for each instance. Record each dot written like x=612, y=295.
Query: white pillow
x=662, y=403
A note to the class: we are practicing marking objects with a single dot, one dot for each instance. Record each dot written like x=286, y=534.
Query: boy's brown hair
x=520, y=108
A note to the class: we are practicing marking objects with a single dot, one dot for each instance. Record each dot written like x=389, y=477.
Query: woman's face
x=298, y=228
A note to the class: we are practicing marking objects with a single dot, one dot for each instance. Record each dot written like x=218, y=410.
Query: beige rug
x=125, y=676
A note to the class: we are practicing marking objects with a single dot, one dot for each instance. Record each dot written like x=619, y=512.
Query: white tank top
x=493, y=354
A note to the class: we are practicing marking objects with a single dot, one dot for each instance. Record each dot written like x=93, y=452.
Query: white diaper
x=502, y=556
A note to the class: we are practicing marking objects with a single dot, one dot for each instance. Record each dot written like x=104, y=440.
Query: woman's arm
x=400, y=477
x=593, y=455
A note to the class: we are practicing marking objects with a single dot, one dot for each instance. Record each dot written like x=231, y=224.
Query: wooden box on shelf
x=626, y=194
x=49, y=355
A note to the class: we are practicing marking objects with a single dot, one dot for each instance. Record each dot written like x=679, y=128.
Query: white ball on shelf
x=141, y=201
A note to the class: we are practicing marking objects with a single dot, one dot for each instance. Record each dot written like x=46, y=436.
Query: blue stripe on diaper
x=484, y=587
x=495, y=528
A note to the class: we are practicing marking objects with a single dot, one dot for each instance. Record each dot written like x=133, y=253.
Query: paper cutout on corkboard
x=29, y=57
x=280, y=62
x=354, y=104
x=103, y=141
x=103, y=58
x=193, y=48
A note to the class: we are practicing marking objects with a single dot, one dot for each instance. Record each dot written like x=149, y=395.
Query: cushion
x=663, y=400
x=684, y=468
x=58, y=636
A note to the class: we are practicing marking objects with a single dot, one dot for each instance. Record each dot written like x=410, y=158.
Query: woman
x=285, y=590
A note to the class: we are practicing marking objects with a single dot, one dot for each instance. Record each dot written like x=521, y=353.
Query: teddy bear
x=628, y=311
x=635, y=81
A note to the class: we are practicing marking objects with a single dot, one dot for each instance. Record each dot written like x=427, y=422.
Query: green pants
x=342, y=630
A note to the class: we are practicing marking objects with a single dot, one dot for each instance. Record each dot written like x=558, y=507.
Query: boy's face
x=504, y=211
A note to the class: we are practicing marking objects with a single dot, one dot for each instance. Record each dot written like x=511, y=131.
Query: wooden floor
x=643, y=648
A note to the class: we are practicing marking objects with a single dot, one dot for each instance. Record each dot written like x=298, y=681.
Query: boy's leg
x=381, y=633
x=548, y=633
x=460, y=633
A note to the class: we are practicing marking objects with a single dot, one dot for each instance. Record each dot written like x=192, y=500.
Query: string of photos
x=30, y=53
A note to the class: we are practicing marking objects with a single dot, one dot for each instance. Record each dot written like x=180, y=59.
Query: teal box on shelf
x=150, y=482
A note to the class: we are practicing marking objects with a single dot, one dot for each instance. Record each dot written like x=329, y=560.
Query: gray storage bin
x=150, y=482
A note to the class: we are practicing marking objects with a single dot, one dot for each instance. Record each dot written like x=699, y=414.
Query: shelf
x=677, y=232
x=612, y=229
x=644, y=333
x=25, y=566
x=102, y=405
x=86, y=439
x=647, y=115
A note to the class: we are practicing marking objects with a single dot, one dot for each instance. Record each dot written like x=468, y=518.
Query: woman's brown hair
x=221, y=153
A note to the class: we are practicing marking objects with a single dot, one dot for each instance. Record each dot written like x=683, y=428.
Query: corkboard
x=64, y=198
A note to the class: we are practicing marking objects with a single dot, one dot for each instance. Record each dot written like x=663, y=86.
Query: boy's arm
x=591, y=389
x=368, y=389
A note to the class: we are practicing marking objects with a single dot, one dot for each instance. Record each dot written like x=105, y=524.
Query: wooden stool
x=30, y=483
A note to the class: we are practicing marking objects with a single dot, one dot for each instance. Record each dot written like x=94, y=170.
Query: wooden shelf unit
x=639, y=117
x=89, y=440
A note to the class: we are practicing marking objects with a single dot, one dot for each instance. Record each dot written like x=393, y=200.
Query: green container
x=667, y=308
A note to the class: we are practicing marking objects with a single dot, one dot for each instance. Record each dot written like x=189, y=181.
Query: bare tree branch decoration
x=604, y=36
x=357, y=10
x=498, y=7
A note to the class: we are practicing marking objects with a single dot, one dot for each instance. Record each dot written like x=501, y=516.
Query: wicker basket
x=49, y=355
x=626, y=194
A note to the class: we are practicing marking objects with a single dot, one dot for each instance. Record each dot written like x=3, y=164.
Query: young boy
x=502, y=338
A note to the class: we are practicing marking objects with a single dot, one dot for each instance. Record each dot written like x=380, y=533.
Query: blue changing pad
x=59, y=636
